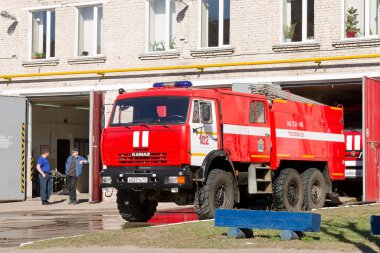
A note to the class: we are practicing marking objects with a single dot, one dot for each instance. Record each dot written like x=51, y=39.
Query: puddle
x=21, y=227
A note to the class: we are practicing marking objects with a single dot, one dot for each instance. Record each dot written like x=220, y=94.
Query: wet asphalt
x=29, y=221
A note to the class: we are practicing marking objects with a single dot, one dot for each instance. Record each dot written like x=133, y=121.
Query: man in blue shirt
x=46, y=182
x=74, y=167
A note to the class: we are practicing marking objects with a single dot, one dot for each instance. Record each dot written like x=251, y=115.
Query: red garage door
x=371, y=134
x=95, y=131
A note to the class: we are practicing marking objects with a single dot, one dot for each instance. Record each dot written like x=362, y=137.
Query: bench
x=293, y=224
x=375, y=224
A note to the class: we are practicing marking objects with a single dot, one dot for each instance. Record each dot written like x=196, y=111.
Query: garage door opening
x=349, y=95
x=60, y=124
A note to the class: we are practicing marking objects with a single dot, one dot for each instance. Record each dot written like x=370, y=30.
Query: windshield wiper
x=142, y=124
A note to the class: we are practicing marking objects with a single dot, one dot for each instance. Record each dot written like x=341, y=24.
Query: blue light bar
x=158, y=85
x=183, y=84
x=179, y=84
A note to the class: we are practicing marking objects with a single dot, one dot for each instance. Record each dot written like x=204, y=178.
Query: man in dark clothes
x=74, y=165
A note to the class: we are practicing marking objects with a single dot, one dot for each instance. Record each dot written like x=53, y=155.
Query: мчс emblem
x=260, y=145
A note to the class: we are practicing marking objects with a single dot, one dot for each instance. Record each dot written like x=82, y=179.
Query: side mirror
x=206, y=113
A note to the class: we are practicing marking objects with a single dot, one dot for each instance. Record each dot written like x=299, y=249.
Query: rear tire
x=288, y=191
x=314, y=189
x=218, y=192
x=136, y=206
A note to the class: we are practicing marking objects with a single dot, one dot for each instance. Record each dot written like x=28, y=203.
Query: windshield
x=150, y=110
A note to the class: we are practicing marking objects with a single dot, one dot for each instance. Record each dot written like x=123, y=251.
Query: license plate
x=137, y=180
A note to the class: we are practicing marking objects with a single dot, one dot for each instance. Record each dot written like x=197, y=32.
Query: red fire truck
x=213, y=147
x=354, y=153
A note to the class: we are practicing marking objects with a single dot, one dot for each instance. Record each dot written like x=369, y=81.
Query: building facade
x=274, y=42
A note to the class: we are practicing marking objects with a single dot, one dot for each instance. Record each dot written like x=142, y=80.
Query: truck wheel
x=314, y=189
x=135, y=206
x=288, y=191
x=218, y=192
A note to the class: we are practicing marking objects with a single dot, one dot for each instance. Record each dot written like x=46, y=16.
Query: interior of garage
x=60, y=124
x=349, y=95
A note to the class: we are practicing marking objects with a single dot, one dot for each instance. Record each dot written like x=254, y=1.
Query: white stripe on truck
x=349, y=142
x=308, y=135
x=136, y=139
x=282, y=133
x=357, y=142
x=246, y=130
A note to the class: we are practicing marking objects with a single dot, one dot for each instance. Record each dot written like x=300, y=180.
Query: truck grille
x=127, y=158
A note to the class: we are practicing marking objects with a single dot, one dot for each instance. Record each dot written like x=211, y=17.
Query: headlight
x=177, y=180
x=105, y=167
x=107, y=180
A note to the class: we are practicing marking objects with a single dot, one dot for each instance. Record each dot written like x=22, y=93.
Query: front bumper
x=153, y=178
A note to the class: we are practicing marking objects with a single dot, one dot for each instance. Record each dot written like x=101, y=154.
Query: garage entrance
x=60, y=124
x=349, y=95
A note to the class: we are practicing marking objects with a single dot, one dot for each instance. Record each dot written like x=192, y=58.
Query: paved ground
x=22, y=222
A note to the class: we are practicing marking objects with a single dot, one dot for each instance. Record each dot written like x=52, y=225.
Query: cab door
x=259, y=132
x=203, y=130
x=13, y=148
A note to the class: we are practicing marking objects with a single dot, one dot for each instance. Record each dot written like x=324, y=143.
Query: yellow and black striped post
x=31, y=168
x=23, y=159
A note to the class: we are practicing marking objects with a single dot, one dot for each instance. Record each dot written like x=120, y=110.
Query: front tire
x=136, y=206
x=218, y=192
x=314, y=189
x=288, y=191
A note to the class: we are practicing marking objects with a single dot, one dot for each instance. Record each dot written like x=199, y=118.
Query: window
x=260, y=112
x=298, y=20
x=43, y=34
x=162, y=18
x=252, y=113
x=215, y=23
x=360, y=18
x=206, y=114
x=257, y=112
x=196, y=114
x=150, y=110
x=90, y=27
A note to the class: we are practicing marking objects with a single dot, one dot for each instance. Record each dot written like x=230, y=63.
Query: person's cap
x=75, y=150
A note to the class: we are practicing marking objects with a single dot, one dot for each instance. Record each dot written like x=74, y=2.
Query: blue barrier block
x=268, y=220
x=235, y=233
x=375, y=225
x=288, y=235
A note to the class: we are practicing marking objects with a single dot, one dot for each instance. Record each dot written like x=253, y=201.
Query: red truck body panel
x=309, y=132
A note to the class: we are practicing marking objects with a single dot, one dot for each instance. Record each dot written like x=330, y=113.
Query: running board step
x=259, y=180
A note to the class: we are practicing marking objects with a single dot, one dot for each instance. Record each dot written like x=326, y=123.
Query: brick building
x=65, y=36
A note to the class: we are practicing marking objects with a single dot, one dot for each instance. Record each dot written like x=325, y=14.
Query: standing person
x=74, y=165
x=46, y=182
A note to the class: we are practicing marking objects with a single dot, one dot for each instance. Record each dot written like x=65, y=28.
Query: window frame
x=95, y=7
x=255, y=102
x=367, y=10
x=49, y=10
x=220, y=26
x=304, y=24
x=167, y=27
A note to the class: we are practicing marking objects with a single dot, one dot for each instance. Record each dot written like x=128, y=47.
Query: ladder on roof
x=272, y=92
